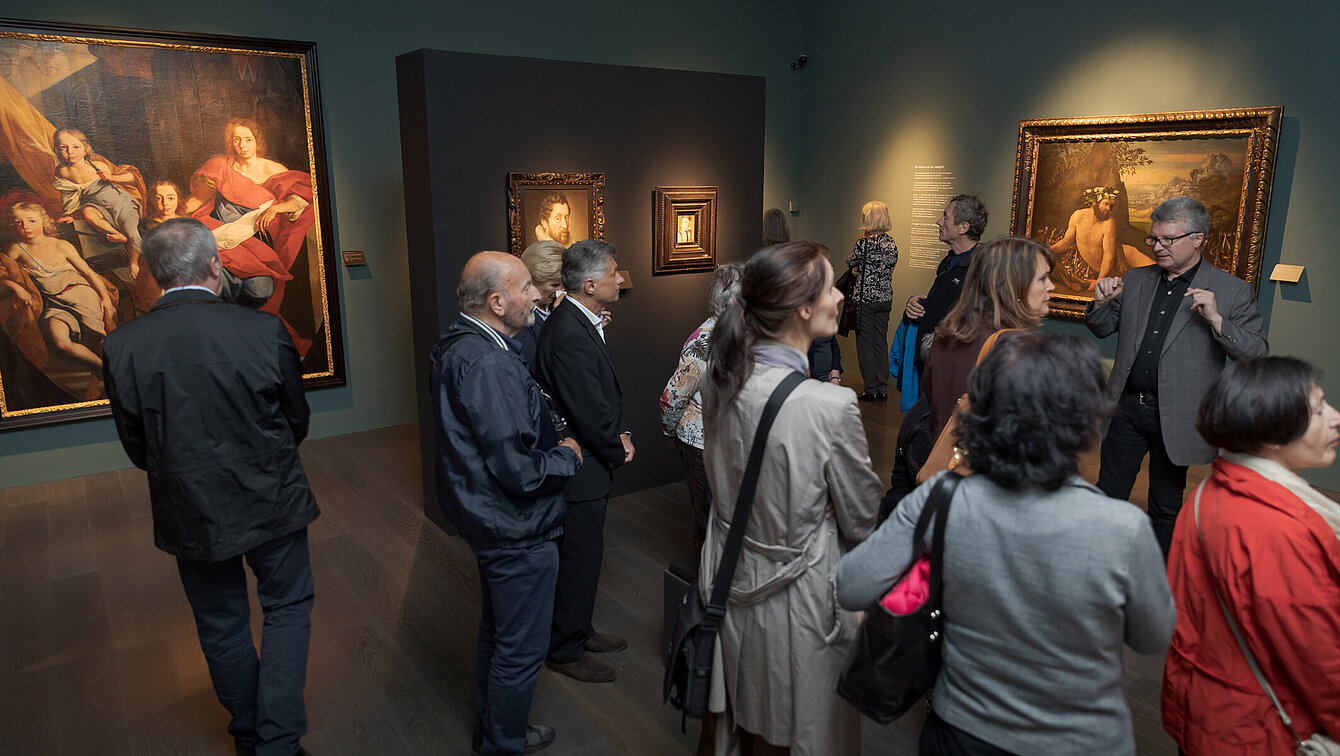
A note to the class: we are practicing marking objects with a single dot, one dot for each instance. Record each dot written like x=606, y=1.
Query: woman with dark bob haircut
x=784, y=638
x=1045, y=578
x=1268, y=544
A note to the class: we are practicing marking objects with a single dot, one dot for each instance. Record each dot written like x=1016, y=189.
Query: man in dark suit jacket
x=574, y=366
x=1178, y=321
x=207, y=398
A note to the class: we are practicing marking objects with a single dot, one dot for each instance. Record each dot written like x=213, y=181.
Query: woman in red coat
x=1269, y=543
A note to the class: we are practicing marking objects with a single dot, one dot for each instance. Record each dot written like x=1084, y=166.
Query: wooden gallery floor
x=98, y=653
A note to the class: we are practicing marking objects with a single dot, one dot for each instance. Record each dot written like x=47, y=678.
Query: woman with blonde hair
x=544, y=260
x=1008, y=285
x=871, y=261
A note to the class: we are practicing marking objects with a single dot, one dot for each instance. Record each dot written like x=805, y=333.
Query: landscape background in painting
x=1146, y=172
x=158, y=111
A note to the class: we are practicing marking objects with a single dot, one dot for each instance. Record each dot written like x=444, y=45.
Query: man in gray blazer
x=1178, y=319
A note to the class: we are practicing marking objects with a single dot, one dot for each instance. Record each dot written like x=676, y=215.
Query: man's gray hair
x=585, y=259
x=1189, y=210
x=969, y=209
x=725, y=287
x=178, y=252
x=474, y=290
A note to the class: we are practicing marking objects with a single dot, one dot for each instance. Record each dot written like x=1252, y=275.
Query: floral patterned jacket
x=879, y=254
x=681, y=401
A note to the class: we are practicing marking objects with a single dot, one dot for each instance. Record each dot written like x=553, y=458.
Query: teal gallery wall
x=356, y=48
x=888, y=85
x=928, y=84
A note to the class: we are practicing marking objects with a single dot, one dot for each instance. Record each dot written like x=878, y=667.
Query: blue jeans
x=517, y=586
x=263, y=695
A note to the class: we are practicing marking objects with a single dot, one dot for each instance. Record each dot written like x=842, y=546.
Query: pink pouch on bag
x=910, y=592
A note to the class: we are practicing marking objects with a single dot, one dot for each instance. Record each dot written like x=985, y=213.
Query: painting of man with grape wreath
x=1088, y=195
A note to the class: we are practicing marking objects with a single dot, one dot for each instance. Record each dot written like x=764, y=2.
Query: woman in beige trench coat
x=784, y=639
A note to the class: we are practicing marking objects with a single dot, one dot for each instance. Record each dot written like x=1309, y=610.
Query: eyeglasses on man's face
x=1166, y=241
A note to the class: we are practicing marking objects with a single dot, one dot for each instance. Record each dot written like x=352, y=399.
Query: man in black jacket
x=207, y=398
x=500, y=474
x=961, y=227
x=573, y=364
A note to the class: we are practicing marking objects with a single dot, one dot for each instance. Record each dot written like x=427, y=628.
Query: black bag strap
x=715, y=610
x=937, y=505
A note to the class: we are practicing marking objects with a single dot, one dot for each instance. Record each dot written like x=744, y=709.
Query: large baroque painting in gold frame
x=1086, y=186
x=104, y=133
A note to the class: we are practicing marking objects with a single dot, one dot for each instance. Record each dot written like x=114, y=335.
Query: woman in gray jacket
x=784, y=638
x=1044, y=577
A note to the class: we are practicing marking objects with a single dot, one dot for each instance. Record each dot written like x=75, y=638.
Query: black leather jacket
x=500, y=470
x=207, y=397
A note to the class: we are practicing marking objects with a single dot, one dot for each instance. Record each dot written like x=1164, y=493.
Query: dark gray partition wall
x=467, y=120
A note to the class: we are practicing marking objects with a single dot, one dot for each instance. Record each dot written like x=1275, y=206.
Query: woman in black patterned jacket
x=872, y=260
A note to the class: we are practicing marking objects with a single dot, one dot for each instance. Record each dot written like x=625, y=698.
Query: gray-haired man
x=573, y=364
x=207, y=398
x=1178, y=321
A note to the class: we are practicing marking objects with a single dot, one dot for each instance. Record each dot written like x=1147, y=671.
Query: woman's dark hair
x=775, y=228
x=775, y=282
x=1036, y=399
x=1257, y=403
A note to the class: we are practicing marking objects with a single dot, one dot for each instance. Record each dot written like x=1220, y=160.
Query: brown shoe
x=585, y=669
x=605, y=644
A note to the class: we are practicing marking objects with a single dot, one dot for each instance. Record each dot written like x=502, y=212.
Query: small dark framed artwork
x=561, y=207
x=684, y=229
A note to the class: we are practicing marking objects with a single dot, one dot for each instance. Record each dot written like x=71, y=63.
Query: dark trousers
x=695, y=477
x=517, y=586
x=939, y=738
x=580, y=552
x=263, y=695
x=872, y=345
x=915, y=443
x=1134, y=432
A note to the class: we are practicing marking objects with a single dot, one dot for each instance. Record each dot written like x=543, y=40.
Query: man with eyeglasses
x=1178, y=321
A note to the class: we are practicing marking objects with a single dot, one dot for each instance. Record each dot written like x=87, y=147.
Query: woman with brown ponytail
x=784, y=638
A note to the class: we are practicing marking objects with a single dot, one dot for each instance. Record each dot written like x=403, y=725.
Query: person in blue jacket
x=501, y=468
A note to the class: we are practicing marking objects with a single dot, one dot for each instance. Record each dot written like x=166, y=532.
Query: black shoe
x=880, y=396
x=585, y=669
x=538, y=738
x=868, y=396
x=605, y=644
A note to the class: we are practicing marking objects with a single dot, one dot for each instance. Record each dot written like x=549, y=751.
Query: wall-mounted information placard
x=932, y=187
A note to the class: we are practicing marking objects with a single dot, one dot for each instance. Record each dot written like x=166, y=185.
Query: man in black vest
x=207, y=398
x=573, y=364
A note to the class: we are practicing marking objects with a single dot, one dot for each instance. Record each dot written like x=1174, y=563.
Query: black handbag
x=896, y=657
x=850, y=314
x=847, y=318
x=688, y=655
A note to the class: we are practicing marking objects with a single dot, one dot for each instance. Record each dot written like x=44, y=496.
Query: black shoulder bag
x=896, y=657
x=688, y=655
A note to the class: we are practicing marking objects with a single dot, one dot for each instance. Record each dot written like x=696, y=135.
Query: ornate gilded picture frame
x=1086, y=186
x=106, y=133
x=561, y=207
x=684, y=229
